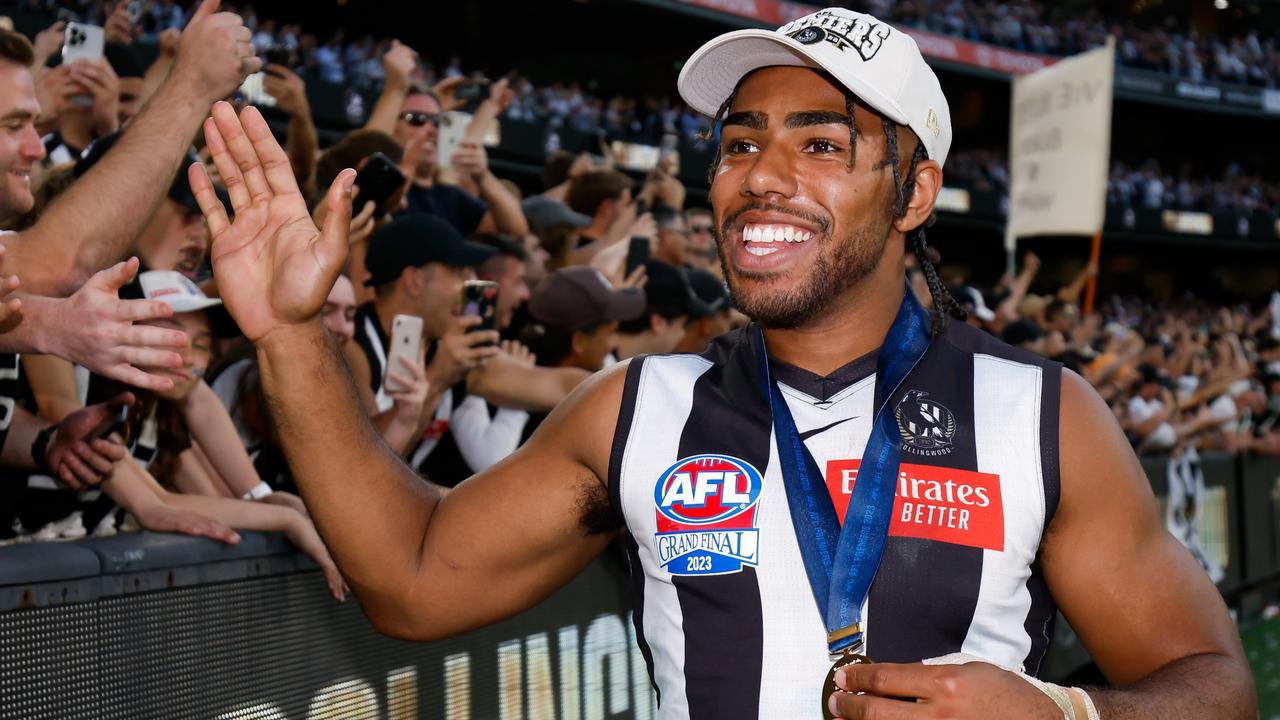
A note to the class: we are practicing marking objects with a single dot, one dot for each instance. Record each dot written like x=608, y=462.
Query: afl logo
x=707, y=489
x=924, y=424
x=809, y=36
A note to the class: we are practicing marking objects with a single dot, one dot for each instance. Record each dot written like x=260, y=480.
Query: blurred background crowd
x=591, y=261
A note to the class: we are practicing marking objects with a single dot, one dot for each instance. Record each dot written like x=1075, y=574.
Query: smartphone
x=480, y=298
x=278, y=55
x=117, y=422
x=82, y=42
x=472, y=90
x=406, y=342
x=453, y=127
x=637, y=253
x=378, y=180
x=253, y=92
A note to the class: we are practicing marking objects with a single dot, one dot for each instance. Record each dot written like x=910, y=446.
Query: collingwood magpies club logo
x=927, y=427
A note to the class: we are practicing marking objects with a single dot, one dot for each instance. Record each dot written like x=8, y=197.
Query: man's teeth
x=758, y=250
x=774, y=233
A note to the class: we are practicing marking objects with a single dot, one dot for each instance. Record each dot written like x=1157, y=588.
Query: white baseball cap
x=176, y=290
x=876, y=62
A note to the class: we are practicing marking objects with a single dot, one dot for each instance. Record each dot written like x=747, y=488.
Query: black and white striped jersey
x=374, y=343
x=724, y=613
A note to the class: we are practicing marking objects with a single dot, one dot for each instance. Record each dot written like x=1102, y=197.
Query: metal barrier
x=162, y=626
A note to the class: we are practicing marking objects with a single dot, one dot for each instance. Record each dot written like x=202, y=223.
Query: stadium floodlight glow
x=1221, y=4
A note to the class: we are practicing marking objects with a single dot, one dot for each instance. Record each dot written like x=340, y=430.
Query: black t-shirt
x=449, y=203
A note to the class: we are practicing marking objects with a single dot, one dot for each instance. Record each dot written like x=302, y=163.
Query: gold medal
x=829, y=687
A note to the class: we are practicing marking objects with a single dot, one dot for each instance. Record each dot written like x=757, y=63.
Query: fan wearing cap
x=188, y=471
x=417, y=265
x=833, y=132
x=578, y=311
x=715, y=321
x=669, y=303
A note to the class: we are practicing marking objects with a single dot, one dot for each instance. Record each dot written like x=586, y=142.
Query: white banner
x=1059, y=145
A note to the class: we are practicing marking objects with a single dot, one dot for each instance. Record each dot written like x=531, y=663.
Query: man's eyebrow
x=753, y=120
x=805, y=118
x=18, y=114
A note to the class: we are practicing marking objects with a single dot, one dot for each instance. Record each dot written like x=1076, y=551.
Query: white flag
x=1059, y=145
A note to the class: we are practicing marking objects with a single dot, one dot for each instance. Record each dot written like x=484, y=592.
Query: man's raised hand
x=273, y=265
x=215, y=52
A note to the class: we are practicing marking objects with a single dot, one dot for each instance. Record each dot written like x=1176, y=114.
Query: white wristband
x=257, y=492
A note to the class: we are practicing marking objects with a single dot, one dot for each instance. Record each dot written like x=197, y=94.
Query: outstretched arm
x=424, y=564
x=91, y=225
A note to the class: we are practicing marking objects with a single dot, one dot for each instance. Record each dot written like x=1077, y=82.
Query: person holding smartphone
x=407, y=111
x=417, y=265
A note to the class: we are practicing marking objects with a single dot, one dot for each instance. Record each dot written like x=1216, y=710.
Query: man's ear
x=577, y=342
x=928, y=183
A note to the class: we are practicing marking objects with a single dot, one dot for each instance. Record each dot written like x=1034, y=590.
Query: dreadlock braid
x=891, y=159
x=710, y=133
x=853, y=131
x=926, y=256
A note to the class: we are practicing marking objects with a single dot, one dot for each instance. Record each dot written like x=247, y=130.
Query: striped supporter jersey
x=723, y=610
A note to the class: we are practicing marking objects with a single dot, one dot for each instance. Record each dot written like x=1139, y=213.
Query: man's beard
x=838, y=267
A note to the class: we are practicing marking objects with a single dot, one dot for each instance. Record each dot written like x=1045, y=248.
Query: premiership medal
x=849, y=657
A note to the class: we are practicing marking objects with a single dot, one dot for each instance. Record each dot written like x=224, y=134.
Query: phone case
x=82, y=42
x=406, y=338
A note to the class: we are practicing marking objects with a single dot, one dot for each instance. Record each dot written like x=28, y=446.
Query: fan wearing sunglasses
x=416, y=115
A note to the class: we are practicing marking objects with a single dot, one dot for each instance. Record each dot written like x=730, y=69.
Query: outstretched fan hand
x=274, y=267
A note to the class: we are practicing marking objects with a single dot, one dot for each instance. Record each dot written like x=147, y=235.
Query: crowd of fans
x=1167, y=46
x=359, y=62
x=1177, y=375
x=1147, y=185
x=148, y=412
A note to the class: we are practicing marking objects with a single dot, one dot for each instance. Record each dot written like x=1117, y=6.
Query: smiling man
x=849, y=475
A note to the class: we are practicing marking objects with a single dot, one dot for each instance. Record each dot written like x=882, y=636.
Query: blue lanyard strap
x=842, y=562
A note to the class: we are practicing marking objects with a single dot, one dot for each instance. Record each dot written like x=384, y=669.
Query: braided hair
x=926, y=255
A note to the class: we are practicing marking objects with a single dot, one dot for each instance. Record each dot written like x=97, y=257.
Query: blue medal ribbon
x=842, y=562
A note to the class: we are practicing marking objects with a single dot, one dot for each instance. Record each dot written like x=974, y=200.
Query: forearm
x=301, y=146
x=537, y=389
x=213, y=429
x=397, y=432
x=92, y=224
x=155, y=75
x=36, y=329
x=1200, y=686
x=17, y=442
x=363, y=499
x=1071, y=293
x=508, y=217
x=385, y=110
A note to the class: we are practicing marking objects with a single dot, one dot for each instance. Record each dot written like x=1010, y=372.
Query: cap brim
x=715, y=69
x=470, y=255
x=577, y=219
x=625, y=304
x=188, y=304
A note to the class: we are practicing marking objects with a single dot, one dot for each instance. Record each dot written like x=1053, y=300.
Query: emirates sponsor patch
x=961, y=507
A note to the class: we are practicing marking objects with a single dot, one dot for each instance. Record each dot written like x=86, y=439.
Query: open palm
x=274, y=267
